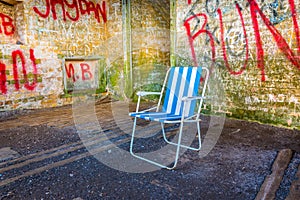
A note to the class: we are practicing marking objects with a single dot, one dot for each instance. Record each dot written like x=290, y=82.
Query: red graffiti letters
x=83, y=7
x=85, y=71
x=296, y=26
x=70, y=71
x=73, y=5
x=18, y=55
x=15, y=55
x=193, y=37
x=3, y=87
x=255, y=12
x=7, y=25
x=35, y=73
x=223, y=42
x=280, y=41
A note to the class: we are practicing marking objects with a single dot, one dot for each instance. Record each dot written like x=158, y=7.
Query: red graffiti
x=85, y=70
x=70, y=71
x=3, y=87
x=15, y=55
x=82, y=7
x=18, y=55
x=193, y=37
x=35, y=73
x=280, y=41
x=296, y=26
x=86, y=73
x=7, y=24
x=255, y=11
x=73, y=6
x=223, y=42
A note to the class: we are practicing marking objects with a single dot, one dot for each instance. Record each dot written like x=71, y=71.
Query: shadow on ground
x=52, y=162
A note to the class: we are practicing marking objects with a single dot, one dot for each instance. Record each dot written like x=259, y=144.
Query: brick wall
x=37, y=38
x=256, y=58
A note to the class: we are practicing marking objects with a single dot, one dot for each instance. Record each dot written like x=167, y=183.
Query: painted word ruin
x=74, y=10
x=256, y=12
x=16, y=56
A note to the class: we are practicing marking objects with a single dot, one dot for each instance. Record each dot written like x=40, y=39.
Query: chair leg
x=199, y=136
x=178, y=145
x=132, y=136
x=181, y=145
x=150, y=161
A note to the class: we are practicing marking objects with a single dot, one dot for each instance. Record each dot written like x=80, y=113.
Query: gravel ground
x=54, y=164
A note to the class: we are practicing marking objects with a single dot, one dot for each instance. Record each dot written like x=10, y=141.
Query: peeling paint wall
x=255, y=48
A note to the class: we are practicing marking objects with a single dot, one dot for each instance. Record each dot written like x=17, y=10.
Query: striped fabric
x=156, y=116
x=182, y=82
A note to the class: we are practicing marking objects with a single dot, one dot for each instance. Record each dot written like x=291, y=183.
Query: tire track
x=65, y=149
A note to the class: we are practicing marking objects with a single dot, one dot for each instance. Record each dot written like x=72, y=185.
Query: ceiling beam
x=11, y=2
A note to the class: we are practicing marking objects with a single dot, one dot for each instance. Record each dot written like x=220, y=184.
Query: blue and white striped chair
x=180, y=91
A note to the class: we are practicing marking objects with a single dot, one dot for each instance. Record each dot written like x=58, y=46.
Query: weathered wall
x=37, y=37
x=50, y=46
x=252, y=47
x=255, y=46
x=145, y=44
x=150, y=24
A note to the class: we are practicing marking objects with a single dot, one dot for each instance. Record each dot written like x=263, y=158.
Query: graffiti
x=271, y=98
x=16, y=56
x=223, y=42
x=213, y=9
x=75, y=39
x=81, y=73
x=85, y=69
x=7, y=25
x=280, y=41
x=192, y=36
x=3, y=78
x=116, y=7
x=73, y=10
x=236, y=40
x=277, y=11
x=211, y=6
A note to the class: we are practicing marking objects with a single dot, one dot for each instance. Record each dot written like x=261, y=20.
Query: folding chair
x=180, y=92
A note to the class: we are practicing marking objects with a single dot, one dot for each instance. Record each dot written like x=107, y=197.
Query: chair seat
x=156, y=116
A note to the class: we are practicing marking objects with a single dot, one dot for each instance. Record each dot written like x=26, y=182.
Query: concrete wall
x=255, y=48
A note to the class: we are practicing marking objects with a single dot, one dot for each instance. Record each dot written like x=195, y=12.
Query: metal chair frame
x=195, y=118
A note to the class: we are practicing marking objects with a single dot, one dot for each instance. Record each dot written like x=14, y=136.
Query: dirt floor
x=52, y=163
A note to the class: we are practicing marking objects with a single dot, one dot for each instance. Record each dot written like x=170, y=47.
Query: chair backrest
x=182, y=81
